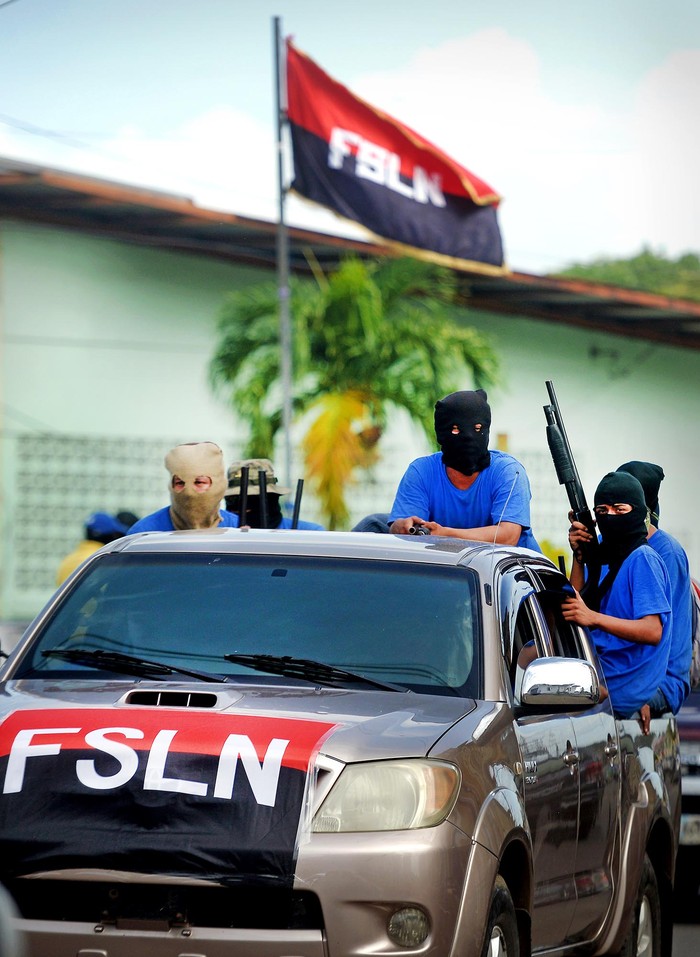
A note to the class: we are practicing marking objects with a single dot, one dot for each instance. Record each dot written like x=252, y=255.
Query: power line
x=52, y=134
x=25, y=127
x=108, y=344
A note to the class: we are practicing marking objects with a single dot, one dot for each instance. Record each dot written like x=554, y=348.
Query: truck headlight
x=389, y=796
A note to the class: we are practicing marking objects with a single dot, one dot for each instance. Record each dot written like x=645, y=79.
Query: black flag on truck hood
x=157, y=791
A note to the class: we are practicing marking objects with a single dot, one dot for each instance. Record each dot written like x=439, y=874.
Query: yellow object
x=82, y=551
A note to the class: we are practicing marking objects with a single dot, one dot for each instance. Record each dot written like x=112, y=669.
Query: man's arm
x=646, y=630
x=505, y=533
x=411, y=502
x=508, y=488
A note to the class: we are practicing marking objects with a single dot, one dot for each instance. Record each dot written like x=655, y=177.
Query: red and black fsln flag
x=370, y=168
x=212, y=796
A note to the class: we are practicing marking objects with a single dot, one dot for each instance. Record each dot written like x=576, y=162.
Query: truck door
x=550, y=779
x=598, y=772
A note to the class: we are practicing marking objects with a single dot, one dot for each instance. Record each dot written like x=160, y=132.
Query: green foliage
x=647, y=271
x=552, y=551
x=380, y=332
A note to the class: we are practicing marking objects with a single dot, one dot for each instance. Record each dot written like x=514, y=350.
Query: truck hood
x=190, y=780
x=366, y=725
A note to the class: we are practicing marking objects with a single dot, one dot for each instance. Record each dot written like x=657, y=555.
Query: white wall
x=103, y=337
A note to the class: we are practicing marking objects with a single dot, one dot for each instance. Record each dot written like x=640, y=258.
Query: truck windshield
x=412, y=625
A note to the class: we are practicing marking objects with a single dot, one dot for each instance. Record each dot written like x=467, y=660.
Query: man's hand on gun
x=413, y=525
x=575, y=609
x=578, y=536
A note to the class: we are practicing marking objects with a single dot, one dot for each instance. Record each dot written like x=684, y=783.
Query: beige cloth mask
x=192, y=506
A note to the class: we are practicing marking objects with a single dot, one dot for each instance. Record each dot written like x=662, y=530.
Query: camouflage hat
x=254, y=466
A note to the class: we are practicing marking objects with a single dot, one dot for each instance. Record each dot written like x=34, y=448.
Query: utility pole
x=282, y=246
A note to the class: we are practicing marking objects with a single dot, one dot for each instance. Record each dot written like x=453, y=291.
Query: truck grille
x=166, y=905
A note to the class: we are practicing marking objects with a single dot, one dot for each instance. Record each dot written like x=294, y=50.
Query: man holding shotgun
x=632, y=628
x=622, y=588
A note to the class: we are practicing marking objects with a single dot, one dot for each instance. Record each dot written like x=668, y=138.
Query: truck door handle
x=610, y=750
x=571, y=756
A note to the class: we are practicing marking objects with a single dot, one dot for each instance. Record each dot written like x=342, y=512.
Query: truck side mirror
x=560, y=683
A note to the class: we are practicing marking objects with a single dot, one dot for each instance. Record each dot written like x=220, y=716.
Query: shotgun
x=568, y=476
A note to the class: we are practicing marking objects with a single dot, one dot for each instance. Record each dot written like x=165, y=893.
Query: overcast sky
x=583, y=116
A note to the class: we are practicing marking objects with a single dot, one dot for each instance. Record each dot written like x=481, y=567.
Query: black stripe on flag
x=57, y=822
x=459, y=230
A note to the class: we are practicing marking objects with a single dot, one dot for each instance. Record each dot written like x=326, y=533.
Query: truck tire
x=644, y=938
x=502, y=938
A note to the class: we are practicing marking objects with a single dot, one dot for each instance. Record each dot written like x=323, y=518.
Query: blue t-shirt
x=500, y=493
x=634, y=671
x=161, y=521
x=303, y=526
x=676, y=684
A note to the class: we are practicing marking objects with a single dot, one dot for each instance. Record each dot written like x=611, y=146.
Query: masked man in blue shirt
x=467, y=490
x=197, y=485
x=632, y=630
x=675, y=685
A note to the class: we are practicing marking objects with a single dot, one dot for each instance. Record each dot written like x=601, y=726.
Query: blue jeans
x=658, y=703
x=377, y=522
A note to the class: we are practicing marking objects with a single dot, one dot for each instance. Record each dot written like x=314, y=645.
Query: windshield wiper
x=315, y=671
x=126, y=664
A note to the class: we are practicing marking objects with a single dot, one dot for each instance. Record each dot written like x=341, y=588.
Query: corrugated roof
x=151, y=218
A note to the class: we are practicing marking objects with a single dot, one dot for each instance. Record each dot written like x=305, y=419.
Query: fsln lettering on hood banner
x=154, y=791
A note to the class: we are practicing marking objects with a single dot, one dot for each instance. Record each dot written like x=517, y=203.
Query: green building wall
x=104, y=350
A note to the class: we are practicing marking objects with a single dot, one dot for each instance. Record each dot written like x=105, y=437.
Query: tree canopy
x=368, y=337
x=647, y=271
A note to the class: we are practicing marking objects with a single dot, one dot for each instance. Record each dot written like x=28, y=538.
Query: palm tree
x=371, y=336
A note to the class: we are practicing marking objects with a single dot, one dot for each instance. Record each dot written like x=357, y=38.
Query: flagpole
x=282, y=246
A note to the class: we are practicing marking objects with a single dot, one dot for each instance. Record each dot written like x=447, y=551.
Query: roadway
x=686, y=940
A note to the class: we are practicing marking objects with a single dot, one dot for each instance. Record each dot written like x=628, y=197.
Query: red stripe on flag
x=319, y=104
x=197, y=732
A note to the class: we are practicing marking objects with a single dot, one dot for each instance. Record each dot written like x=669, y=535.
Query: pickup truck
x=314, y=744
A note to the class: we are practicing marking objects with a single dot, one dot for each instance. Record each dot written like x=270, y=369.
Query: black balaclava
x=620, y=534
x=252, y=513
x=650, y=477
x=467, y=452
